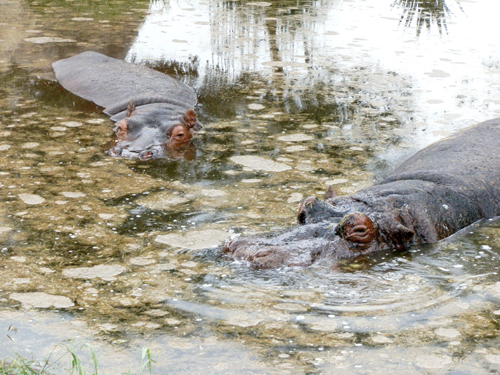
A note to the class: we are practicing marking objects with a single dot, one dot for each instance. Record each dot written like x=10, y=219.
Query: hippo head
x=152, y=132
x=341, y=229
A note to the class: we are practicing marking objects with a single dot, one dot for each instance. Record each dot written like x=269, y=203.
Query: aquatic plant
x=23, y=366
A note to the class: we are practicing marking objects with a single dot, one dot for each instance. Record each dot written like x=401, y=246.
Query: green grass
x=22, y=366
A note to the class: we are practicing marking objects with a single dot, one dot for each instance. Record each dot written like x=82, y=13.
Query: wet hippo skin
x=153, y=111
x=438, y=191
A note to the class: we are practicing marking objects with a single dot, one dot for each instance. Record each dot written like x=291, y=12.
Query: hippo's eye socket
x=178, y=133
x=357, y=228
x=122, y=130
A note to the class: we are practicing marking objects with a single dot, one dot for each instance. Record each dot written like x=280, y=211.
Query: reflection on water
x=294, y=96
x=295, y=55
x=425, y=13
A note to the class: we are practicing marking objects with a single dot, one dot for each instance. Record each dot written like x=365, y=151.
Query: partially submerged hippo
x=153, y=112
x=440, y=190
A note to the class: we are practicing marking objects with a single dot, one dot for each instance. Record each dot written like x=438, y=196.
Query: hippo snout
x=150, y=153
x=234, y=248
x=116, y=151
x=303, y=244
x=287, y=249
x=257, y=255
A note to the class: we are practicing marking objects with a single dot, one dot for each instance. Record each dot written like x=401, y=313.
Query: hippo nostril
x=229, y=248
x=260, y=254
x=116, y=151
x=145, y=155
x=148, y=154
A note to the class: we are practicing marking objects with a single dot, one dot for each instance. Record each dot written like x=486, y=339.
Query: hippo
x=443, y=188
x=153, y=112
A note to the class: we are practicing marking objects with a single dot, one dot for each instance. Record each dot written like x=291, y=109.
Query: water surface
x=294, y=96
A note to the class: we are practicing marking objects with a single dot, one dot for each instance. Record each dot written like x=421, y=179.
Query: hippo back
x=468, y=161
x=112, y=83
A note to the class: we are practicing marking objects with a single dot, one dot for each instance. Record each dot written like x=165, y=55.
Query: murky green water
x=294, y=96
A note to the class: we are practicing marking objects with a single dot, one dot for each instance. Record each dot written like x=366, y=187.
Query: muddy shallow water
x=294, y=96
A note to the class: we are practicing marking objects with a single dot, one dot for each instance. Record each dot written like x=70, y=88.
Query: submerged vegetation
x=72, y=360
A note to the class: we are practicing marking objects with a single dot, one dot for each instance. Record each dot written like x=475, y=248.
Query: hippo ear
x=357, y=228
x=400, y=235
x=189, y=118
x=330, y=193
x=130, y=108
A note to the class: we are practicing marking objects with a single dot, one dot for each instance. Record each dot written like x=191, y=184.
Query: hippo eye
x=122, y=129
x=357, y=228
x=358, y=234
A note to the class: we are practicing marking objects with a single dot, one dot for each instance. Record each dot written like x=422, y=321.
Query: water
x=294, y=96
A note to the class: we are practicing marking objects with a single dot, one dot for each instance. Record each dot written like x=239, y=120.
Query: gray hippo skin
x=153, y=112
x=440, y=190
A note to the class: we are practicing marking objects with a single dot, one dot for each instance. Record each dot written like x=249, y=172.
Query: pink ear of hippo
x=189, y=118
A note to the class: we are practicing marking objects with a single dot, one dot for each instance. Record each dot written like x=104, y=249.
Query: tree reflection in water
x=426, y=12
